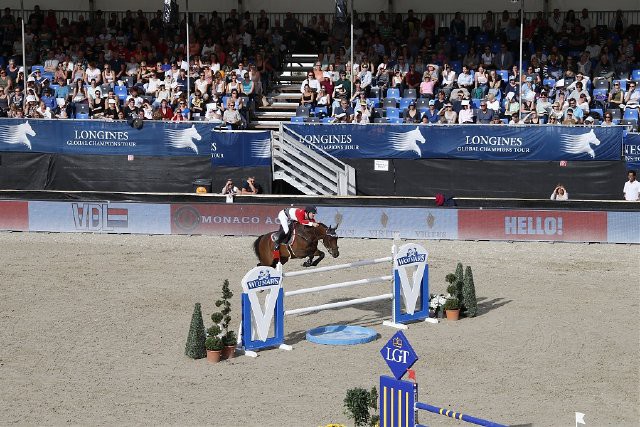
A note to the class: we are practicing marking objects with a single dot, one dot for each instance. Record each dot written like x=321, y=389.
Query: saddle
x=289, y=240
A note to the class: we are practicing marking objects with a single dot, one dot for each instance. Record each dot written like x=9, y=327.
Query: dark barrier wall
x=33, y=171
x=492, y=179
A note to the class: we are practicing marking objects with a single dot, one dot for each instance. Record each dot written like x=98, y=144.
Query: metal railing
x=311, y=170
x=472, y=19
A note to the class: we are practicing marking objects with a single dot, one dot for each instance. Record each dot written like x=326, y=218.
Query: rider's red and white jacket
x=298, y=215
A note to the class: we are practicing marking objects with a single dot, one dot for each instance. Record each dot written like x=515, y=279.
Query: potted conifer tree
x=452, y=306
x=228, y=337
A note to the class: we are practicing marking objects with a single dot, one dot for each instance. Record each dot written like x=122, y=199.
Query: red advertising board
x=14, y=215
x=224, y=219
x=565, y=226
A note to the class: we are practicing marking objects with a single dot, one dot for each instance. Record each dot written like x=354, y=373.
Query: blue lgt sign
x=399, y=354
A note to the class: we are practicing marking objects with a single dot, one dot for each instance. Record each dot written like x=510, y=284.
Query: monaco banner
x=474, y=142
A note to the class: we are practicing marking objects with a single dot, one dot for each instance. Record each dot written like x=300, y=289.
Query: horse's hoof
x=306, y=264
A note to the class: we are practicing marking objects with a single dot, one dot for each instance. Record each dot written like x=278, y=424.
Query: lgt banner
x=475, y=142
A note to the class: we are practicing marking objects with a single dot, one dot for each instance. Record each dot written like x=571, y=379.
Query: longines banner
x=632, y=151
x=107, y=138
x=475, y=142
x=241, y=148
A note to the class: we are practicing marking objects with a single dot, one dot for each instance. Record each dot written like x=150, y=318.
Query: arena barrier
x=399, y=406
x=409, y=296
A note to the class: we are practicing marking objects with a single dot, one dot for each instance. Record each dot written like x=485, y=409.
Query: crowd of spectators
x=408, y=71
x=405, y=68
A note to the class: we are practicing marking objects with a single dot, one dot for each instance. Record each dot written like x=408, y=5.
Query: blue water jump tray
x=341, y=335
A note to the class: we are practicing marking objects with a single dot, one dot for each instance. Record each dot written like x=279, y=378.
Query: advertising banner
x=566, y=226
x=224, y=219
x=623, y=227
x=241, y=148
x=632, y=151
x=106, y=137
x=99, y=217
x=476, y=142
x=14, y=216
x=385, y=223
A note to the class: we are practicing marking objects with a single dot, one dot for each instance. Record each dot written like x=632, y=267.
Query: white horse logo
x=17, y=134
x=576, y=144
x=407, y=141
x=183, y=138
x=261, y=148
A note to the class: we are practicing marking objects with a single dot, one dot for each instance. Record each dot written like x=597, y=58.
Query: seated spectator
x=616, y=96
x=515, y=119
x=146, y=110
x=608, y=120
x=465, y=116
x=543, y=105
x=484, y=115
x=583, y=104
x=427, y=86
x=111, y=112
x=632, y=97
x=97, y=107
x=251, y=186
x=232, y=116
x=447, y=115
x=363, y=116
x=431, y=114
x=411, y=115
x=197, y=104
x=465, y=79
x=308, y=97
x=577, y=113
x=323, y=99
x=448, y=79
x=166, y=112
x=343, y=113
x=314, y=84
x=559, y=193
x=43, y=112
x=569, y=118
x=214, y=113
x=62, y=91
x=493, y=103
x=531, y=119
x=553, y=120
x=440, y=101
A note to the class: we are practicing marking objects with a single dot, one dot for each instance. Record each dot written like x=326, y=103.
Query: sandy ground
x=94, y=328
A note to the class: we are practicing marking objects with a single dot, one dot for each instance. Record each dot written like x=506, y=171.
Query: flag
x=412, y=375
x=580, y=418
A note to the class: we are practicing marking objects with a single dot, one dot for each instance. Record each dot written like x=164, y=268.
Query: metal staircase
x=310, y=170
x=285, y=97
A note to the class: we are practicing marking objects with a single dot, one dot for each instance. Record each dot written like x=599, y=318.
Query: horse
x=304, y=244
x=182, y=138
x=17, y=134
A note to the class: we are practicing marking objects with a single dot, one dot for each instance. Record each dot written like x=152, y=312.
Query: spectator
x=465, y=79
x=229, y=188
x=111, y=112
x=411, y=115
x=166, y=112
x=465, y=116
x=493, y=104
x=484, y=115
x=569, y=118
x=608, y=120
x=631, y=191
x=447, y=114
x=343, y=113
x=308, y=98
x=313, y=83
x=504, y=59
x=232, y=116
x=251, y=186
x=431, y=114
x=559, y=193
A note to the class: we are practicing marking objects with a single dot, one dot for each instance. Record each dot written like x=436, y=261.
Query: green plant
x=214, y=343
x=358, y=404
x=452, y=303
x=230, y=338
x=456, y=284
x=459, y=270
x=224, y=304
x=195, y=346
x=469, y=294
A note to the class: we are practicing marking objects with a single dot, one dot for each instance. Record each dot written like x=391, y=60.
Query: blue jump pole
x=457, y=415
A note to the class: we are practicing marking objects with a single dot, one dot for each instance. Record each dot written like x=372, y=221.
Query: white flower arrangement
x=437, y=301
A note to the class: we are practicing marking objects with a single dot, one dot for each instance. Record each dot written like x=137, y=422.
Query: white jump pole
x=337, y=267
x=338, y=304
x=339, y=285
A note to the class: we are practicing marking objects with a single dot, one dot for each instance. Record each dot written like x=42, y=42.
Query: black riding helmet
x=311, y=209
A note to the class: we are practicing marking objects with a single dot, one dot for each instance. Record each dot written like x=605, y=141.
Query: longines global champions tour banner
x=475, y=142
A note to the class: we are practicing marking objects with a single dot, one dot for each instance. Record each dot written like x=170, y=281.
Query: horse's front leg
x=308, y=262
x=320, y=256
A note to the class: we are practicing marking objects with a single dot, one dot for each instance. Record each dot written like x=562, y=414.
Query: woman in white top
x=559, y=193
x=108, y=76
x=93, y=73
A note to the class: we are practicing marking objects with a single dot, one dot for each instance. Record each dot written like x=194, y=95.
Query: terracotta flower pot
x=229, y=352
x=453, y=314
x=214, y=356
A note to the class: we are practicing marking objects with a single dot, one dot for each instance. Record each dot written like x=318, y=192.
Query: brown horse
x=304, y=244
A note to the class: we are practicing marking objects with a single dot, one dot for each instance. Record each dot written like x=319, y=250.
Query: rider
x=306, y=216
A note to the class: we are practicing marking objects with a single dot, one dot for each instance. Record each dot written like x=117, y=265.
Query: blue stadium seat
x=326, y=120
x=396, y=120
x=635, y=75
x=462, y=48
x=598, y=111
x=404, y=103
x=37, y=67
x=389, y=103
x=600, y=95
x=630, y=114
x=482, y=38
x=504, y=74
x=121, y=92
x=393, y=93
x=393, y=113
x=475, y=102
x=495, y=47
x=549, y=82
x=318, y=110
x=375, y=102
x=456, y=66
x=297, y=119
x=82, y=115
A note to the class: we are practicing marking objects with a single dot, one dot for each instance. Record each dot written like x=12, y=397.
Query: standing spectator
x=631, y=189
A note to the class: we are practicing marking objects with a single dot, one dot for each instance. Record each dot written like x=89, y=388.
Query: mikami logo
x=17, y=134
x=412, y=257
x=578, y=144
x=407, y=141
x=99, y=217
x=264, y=279
x=183, y=138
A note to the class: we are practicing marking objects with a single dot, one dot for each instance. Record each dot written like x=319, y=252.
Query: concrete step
x=285, y=89
x=274, y=115
x=282, y=106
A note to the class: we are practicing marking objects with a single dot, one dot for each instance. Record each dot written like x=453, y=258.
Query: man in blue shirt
x=484, y=115
x=48, y=99
x=62, y=91
x=432, y=114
